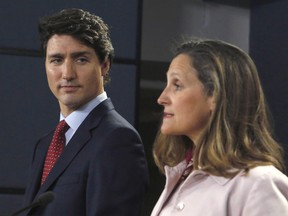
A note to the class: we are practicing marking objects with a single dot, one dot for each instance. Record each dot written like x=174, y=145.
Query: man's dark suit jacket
x=102, y=171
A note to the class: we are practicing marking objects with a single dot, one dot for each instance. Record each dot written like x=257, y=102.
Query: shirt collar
x=75, y=119
x=178, y=170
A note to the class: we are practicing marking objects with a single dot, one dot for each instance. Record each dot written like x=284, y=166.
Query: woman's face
x=187, y=108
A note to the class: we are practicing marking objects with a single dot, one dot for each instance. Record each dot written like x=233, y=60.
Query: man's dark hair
x=81, y=25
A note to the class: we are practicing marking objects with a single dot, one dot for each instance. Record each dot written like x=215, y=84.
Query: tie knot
x=62, y=127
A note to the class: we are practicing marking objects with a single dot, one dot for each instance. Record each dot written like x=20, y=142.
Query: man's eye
x=55, y=60
x=82, y=60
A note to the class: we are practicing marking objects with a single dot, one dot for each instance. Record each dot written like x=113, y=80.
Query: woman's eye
x=177, y=86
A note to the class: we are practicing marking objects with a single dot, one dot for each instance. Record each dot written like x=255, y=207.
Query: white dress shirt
x=75, y=119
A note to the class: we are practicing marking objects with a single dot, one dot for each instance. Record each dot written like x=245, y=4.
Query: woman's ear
x=211, y=103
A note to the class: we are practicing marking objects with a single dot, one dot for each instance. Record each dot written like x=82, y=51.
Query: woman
x=215, y=144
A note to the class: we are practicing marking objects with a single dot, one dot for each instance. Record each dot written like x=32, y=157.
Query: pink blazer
x=263, y=192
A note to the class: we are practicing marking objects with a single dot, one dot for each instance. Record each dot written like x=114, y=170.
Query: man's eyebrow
x=55, y=55
x=74, y=54
x=81, y=53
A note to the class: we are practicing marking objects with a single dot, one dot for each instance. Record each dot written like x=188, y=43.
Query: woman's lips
x=167, y=115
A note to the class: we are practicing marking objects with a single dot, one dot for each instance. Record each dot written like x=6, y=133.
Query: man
x=102, y=170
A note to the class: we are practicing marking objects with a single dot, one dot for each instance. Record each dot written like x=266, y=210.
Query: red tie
x=55, y=149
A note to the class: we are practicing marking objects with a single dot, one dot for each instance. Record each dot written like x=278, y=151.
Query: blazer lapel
x=78, y=141
x=74, y=146
x=37, y=168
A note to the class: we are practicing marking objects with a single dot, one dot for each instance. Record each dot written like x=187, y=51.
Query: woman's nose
x=163, y=99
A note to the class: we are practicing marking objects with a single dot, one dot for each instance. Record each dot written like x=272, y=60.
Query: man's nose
x=68, y=70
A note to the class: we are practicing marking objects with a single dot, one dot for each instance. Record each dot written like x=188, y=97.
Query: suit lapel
x=78, y=141
x=74, y=146
x=37, y=167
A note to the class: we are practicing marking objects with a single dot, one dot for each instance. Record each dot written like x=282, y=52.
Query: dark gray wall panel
x=19, y=20
x=27, y=111
x=123, y=90
x=268, y=47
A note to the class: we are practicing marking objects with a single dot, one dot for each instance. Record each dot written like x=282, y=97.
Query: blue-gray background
x=28, y=109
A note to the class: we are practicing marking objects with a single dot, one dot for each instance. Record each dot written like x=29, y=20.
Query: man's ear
x=105, y=67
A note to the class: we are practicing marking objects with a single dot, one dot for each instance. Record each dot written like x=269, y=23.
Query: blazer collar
x=173, y=175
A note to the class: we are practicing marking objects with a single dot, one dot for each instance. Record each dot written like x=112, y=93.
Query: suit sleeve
x=268, y=197
x=118, y=176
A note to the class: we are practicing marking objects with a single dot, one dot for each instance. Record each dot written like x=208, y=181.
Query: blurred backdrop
x=143, y=32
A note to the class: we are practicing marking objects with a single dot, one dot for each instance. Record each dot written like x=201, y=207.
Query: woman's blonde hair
x=238, y=135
